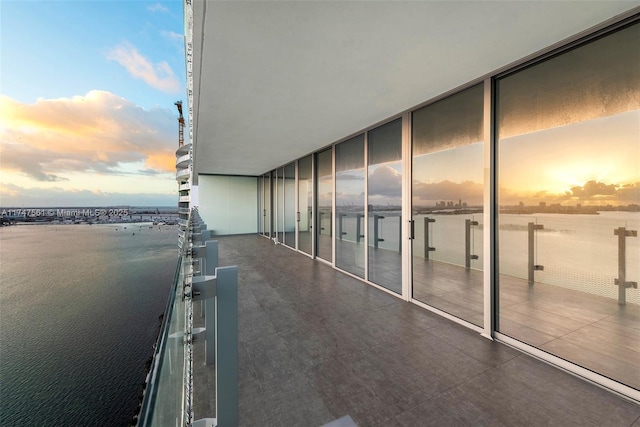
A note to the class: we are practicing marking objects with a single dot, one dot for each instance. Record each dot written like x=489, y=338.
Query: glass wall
x=447, y=204
x=290, y=205
x=565, y=172
x=305, y=205
x=350, y=205
x=384, y=200
x=324, y=203
x=569, y=194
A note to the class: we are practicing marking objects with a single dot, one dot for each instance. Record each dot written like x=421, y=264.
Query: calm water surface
x=79, y=314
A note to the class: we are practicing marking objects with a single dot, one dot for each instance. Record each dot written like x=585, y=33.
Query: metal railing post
x=468, y=256
x=205, y=290
x=400, y=233
x=340, y=232
x=427, y=248
x=532, y=266
x=376, y=232
x=211, y=256
x=621, y=281
x=227, y=346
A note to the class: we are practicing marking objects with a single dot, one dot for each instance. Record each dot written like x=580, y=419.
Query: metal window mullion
x=365, y=162
x=489, y=213
x=314, y=226
x=296, y=203
x=333, y=205
x=407, y=249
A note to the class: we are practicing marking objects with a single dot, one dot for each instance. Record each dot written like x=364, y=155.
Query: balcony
x=317, y=344
x=183, y=161
x=184, y=186
x=183, y=174
x=183, y=150
x=184, y=198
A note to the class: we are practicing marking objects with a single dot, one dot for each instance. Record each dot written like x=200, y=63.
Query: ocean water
x=79, y=315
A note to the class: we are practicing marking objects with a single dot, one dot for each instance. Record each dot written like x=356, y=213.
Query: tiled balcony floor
x=316, y=344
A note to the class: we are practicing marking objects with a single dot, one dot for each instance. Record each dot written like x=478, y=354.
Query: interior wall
x=228, y=204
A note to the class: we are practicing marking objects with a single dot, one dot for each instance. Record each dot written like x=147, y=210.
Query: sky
x=87, y=93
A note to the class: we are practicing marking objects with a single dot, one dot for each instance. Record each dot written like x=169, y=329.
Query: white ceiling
x=276, y=80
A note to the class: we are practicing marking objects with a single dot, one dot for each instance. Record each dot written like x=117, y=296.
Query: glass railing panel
x=164, y=400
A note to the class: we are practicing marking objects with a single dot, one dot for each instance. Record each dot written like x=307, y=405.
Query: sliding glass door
x=447, y=204
x=350, y=237
x=289, y=177
x=324, y=203
x=384, y=202
x=305, y=205
x=569, y=190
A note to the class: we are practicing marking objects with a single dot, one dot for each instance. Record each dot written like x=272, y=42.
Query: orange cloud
x=161, y=161
x=98, y=132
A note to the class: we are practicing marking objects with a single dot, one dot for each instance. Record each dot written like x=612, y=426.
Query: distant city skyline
x=86, y=102
x=565, y=164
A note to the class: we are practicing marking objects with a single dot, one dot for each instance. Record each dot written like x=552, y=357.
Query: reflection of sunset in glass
x=570, y=164
x=451, y=174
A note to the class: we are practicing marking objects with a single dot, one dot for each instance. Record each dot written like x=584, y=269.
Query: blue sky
x=87, y=91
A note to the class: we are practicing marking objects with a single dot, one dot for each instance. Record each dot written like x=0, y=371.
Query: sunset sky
x=87, y=92
x=593, y=162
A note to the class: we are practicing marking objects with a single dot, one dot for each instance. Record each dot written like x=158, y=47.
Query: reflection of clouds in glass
x=425, y=194
x=574, y=161
x=593, y=189
x=629, y=193
x=385, y=182
x=346, y=176
x=455, y=164
x=593, y=193
x=350, y=188
x=349, y=199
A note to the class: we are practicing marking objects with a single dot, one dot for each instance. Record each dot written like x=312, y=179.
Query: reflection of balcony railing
x=621, y=281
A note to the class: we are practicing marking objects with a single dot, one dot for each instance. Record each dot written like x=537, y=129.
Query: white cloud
x=157, y=7
x=172, y=35
x=159, y=76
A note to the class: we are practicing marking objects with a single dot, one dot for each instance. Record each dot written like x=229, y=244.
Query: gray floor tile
x=316, y=344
